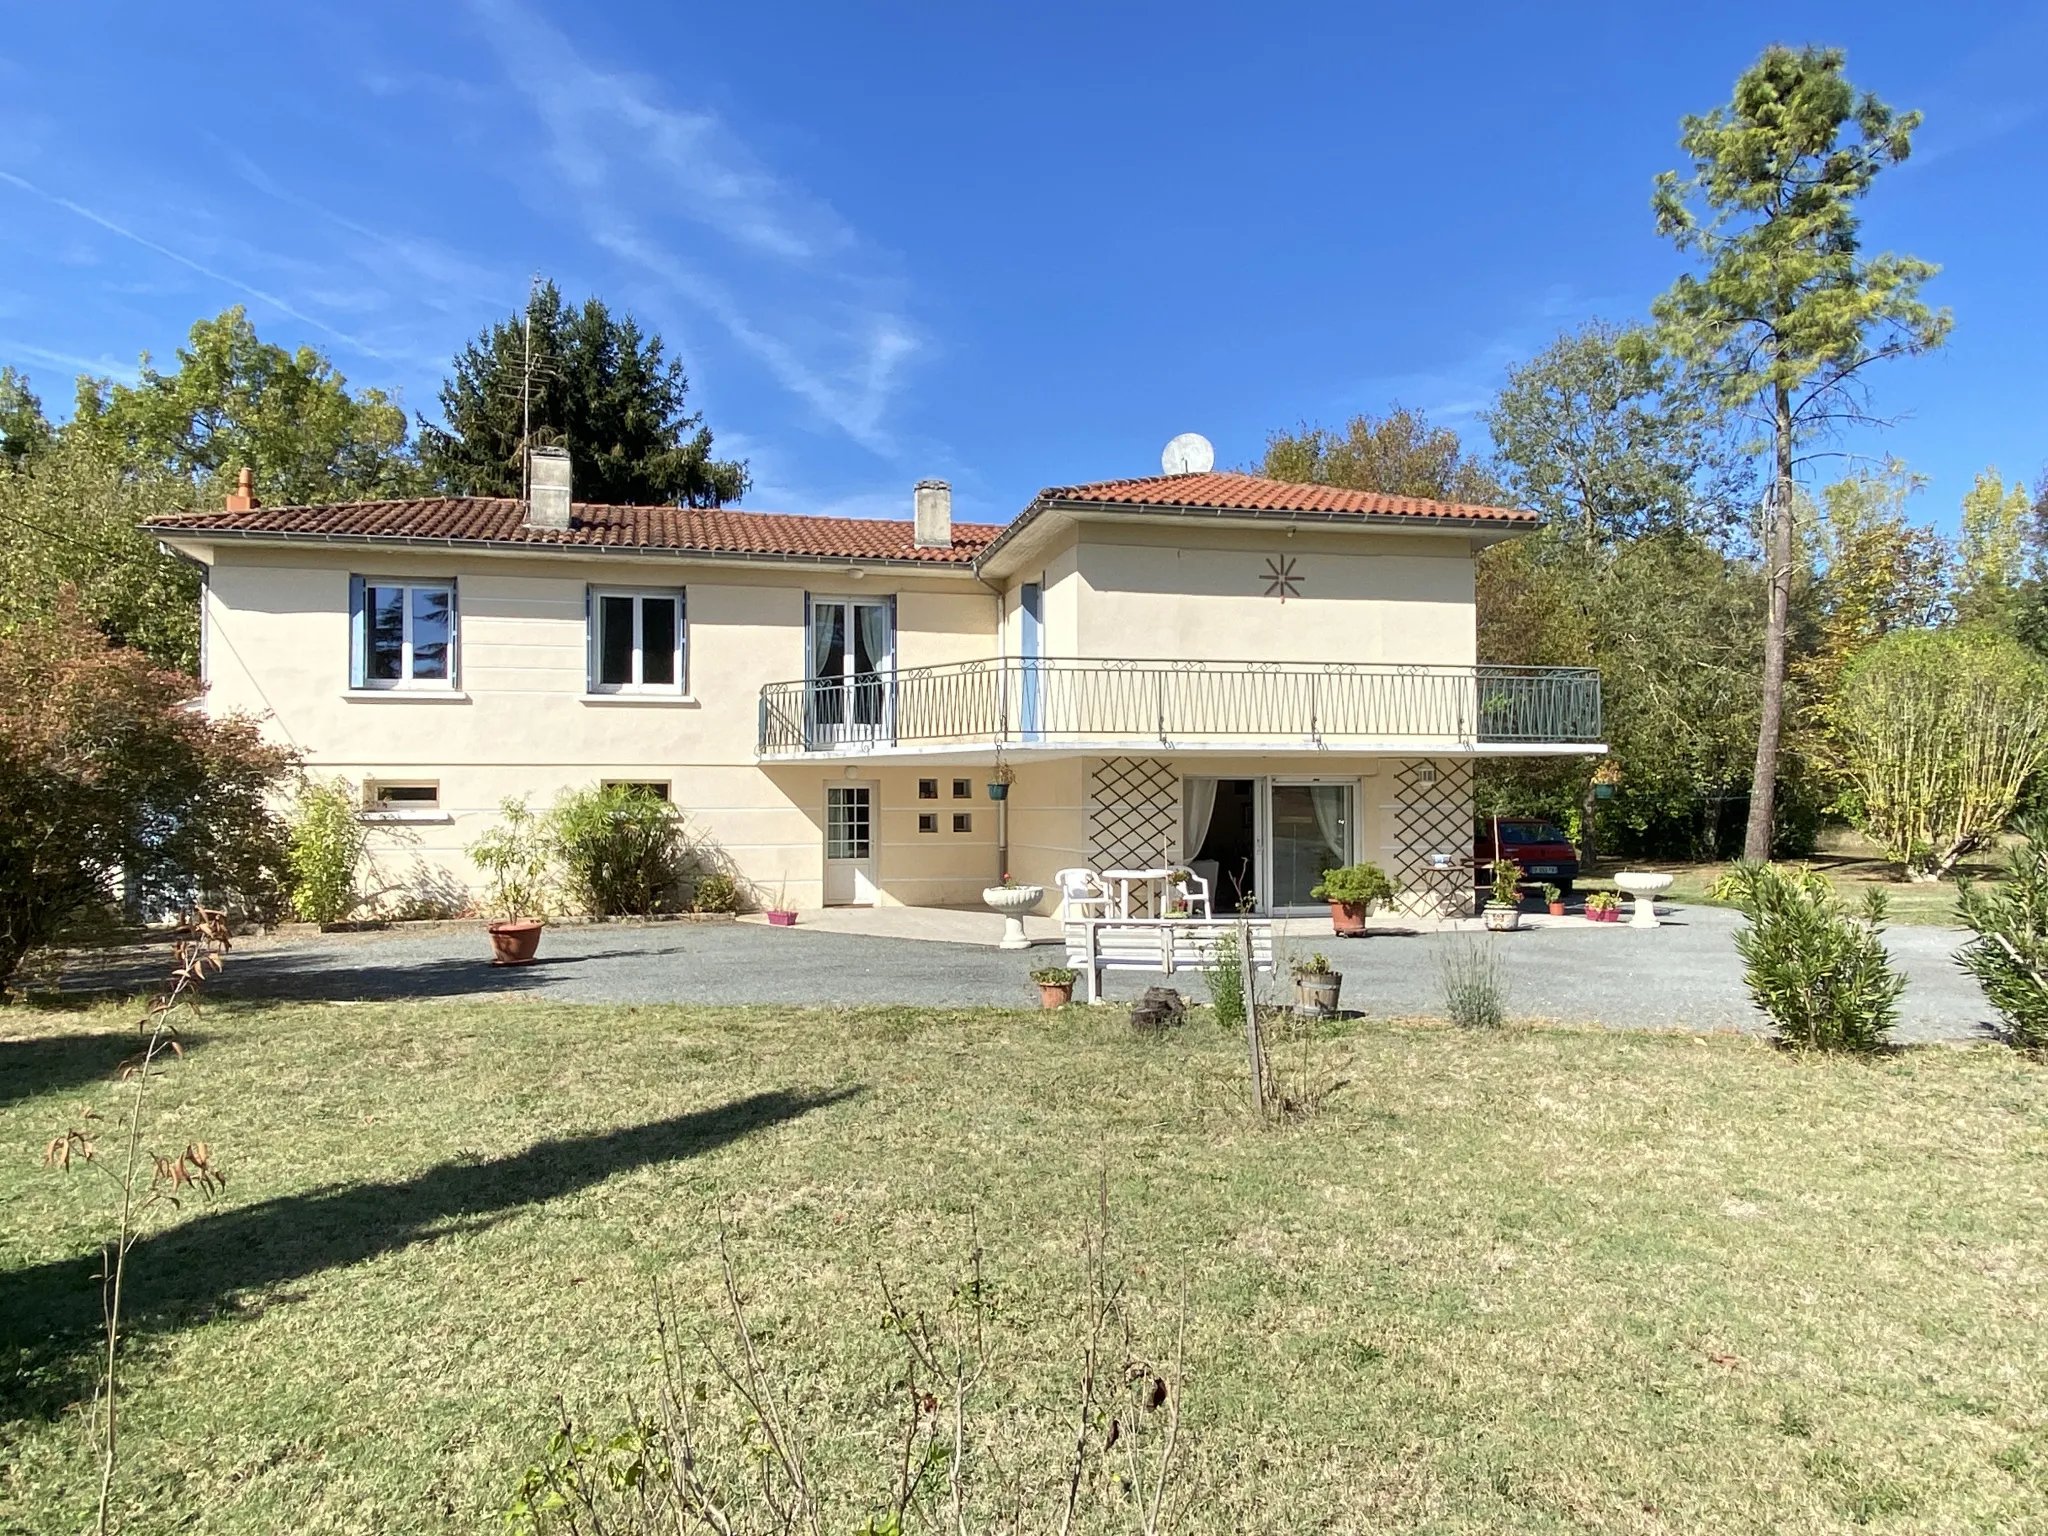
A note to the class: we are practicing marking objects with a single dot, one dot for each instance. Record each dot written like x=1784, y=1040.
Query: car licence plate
x=1542, y=869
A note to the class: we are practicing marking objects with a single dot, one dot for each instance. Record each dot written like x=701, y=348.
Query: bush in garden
x=623, y=850
x=325, y=849
x=2009, y=955
x=1939, y=732
x=517, y=856
x=1355, y=885
x=109, y=778
x=1474, y=996
x=1822, y=975
x=1225, y=980
x=716, y=892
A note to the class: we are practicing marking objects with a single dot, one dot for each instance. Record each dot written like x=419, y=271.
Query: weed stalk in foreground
x=200, y=953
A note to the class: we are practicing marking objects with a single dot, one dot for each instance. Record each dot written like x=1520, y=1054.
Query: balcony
x=1051, y=706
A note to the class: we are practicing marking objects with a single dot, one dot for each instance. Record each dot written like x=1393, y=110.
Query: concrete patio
x=1684, y=975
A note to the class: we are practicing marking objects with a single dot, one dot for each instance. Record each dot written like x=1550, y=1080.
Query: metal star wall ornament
x=1282, y=581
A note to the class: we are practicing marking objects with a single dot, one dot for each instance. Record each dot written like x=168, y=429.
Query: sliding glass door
x=852, y=672
x=1310, y=828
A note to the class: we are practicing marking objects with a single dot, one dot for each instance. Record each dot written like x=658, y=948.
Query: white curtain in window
x=1197, y=809
x=1329, y=801
x=875, y=638
x=824, y=619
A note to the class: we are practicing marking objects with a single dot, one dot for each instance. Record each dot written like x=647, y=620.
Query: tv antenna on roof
x=1189, y=454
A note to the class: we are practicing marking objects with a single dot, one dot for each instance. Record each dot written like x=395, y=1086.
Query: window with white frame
x=402, y=633
x=636, y=642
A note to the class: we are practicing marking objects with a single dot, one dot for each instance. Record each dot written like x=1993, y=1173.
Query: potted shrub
x=1316, y=987
x=1352, y=893
x=1503, y=912
x=1553, y=898
x=516, y=856
x=1603, y=907
x=1055, y=985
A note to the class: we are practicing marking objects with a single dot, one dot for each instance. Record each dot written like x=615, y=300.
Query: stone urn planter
x=515, y=942
x=1013, y=901
x=1644, y=886
x=1502, y=919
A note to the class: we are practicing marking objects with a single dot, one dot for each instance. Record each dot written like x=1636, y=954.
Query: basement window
x=928, y=822
x=927, y=789
x=658, y=788
x=963, y=789
x=405, y=797
x=963, y=821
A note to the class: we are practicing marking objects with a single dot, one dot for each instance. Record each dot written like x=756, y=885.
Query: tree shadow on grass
x=52, y=1062
x=184, y=1274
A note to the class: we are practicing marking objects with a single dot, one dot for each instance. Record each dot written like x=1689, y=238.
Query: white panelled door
x=850, y=845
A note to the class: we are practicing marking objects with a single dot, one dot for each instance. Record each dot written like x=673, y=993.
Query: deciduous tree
x=1940, y=732
x=235, y=401
x=1399, y=454
x=581, y=380
x=1606, y=435
x=2000, y=547
x=107, y=774
x=1788, y=313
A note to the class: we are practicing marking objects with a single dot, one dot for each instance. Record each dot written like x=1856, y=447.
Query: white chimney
x=934, y=503
x=547, y=488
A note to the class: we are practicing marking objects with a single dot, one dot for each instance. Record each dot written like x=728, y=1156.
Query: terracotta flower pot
x=1557, y=909
x=516, y=942
x=781, y=919
x=1346, y=920
x=1055, y=994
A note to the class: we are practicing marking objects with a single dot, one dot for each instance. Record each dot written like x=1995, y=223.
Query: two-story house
x=1258, y=678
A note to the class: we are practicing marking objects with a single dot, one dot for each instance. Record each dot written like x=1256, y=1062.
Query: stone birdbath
x=1013, y=901
x=1644, y=886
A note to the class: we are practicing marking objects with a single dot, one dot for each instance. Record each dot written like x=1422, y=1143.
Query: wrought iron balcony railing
x=1046, y=703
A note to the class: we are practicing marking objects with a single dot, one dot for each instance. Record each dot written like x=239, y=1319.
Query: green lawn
x=1542, y=1280
x=1929, y=903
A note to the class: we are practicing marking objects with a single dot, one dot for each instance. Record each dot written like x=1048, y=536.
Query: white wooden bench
x=1163, y=944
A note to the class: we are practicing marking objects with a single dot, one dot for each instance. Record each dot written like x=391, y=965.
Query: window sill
x=408, y=818
x=407, y=695
x=673, y=700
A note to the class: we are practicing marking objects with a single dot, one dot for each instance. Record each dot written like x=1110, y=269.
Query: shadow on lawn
x=31, y=1067
x=186, y=1274
x=322, y=975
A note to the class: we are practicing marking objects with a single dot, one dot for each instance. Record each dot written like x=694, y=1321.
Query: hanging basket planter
x=998, y=790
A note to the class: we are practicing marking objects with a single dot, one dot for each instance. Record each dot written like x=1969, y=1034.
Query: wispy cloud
x=113, y=227
x=100, y=367
x=798, y=288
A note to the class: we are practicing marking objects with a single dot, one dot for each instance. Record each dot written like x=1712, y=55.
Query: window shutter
x=358, y=635
x=589, y=639
x=454, y=636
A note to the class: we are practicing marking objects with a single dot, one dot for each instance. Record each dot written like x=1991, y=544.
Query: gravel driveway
x=1684, y=975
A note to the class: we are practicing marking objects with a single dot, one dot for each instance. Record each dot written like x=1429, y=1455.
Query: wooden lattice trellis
x=1133, y=813
x=1433, y=814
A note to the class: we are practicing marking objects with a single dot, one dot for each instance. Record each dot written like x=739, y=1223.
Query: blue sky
x=1010, y=246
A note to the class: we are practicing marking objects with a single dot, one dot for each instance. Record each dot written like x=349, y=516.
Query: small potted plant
x=1553, y=898
x=1000, y=778
x=1352, y=893
x=1503, y=912
x=517, y=857
x=1316, y=987
x=781, y=914
x=1055, y=985
x=1603, y=907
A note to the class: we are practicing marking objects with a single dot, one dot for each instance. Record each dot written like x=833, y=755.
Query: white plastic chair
x=1081, y=894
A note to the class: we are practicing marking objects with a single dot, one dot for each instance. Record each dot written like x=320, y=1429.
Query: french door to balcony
x=851, y=694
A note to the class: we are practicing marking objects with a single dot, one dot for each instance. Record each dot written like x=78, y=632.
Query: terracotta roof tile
x=1224, y=492
x=501, y=520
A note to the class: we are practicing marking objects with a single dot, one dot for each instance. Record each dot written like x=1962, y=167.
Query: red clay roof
x=501, y=520
x=1223, y=492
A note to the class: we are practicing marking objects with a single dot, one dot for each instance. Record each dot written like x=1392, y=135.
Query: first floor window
x=405, y=797
x=403, y=633
x=637, y=642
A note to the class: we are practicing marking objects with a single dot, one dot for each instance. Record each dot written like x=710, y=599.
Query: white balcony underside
x=969, y=754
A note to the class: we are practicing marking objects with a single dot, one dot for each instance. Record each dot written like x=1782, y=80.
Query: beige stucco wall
x=1201, y=593
x=519, y=722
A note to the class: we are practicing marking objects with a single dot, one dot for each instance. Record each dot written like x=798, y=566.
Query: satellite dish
x=1189, y=454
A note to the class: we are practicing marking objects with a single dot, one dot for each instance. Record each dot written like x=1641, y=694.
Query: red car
x=1546, y=855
